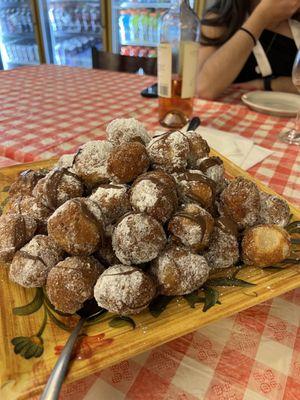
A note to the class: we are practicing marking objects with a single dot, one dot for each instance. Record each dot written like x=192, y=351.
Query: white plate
x=274, y=103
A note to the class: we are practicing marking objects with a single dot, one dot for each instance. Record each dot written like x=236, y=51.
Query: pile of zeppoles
x=132, y=217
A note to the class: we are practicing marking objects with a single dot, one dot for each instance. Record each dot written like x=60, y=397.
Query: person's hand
x=256, y=84
x=274, y=12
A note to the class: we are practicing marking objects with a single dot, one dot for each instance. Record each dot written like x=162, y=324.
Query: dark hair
x=228, y=13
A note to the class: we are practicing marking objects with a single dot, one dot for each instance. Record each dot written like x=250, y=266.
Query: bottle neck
x=176, y=4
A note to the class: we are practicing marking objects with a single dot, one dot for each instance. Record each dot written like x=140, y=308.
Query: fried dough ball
x=90, y=162
x=194, y=187
x=199, y=149
x=71, y=282
x=31, y=207
x=273, y=210
x=113, y=200
x=169, y=151
x=77, y=226
x=192, y=226
x=264, y=245
x=66, y=161
x=138, y=238
x=58, y=186
x=227, y=225
x=124, y=130
x=31, y=265
x=124, y=289
x=15, y=231
x=178, y=271
x=155, y=194
x=213, y=168
x=127, y=161
x=25, y=183
x=106, y=254
x=241, y=202
x=223, y=250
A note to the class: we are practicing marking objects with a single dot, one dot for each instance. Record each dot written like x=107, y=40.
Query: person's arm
x=280, y=84
x=218, y=67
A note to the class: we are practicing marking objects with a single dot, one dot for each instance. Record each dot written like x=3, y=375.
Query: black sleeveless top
x=281, y=52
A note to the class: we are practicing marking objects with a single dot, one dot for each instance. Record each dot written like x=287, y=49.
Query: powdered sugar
x=58, y=186
x=113, y=201
x=198, y=148
x=214, y=172
x=66, y=161
x=32, y=264
x=91, y=160
x=123, y=130
x=71, y=282
x=169, y=151
x=15, y=231
x=223, y=251
x=64, y=226
x=124, y=289
x=30, y=206
x=179, y=271
x=108, y=192
x=241, y=202
x=274, y=210
x=137, y=239
x=144, y=195
x=190, y=233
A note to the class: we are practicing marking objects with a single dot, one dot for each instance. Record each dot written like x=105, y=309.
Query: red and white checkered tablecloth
x=42, y=107
x=254, y=355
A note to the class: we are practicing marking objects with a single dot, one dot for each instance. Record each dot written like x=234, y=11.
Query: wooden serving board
x=104, y=346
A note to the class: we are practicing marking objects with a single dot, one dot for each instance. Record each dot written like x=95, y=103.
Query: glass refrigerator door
x=135, y=26
x=18, y=44
x=71, y=28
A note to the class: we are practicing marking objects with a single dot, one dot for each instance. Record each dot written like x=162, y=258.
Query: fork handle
x=55, y=381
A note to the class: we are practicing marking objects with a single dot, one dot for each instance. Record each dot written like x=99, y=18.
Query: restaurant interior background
x=64, y=31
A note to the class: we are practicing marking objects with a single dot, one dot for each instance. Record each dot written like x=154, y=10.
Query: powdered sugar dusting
x=71, y=282
x=123, y=130
x=190, y=232
x=113, y=201
x=61, y=221
x=169, y=152
x=66, y=161
x=274, y=210
x=32, y=272
x=223, y=251
x=144, y=195
x=137, y=239
x=92, y=158
x=124, y=289
x=214, y=172
x=240, y=200
x=53, y=193
x=108, y=193
x=179, y=271
x=15, y=231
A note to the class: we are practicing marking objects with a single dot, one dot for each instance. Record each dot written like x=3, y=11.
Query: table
x=255, y=355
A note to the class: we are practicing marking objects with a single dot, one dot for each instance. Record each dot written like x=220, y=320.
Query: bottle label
x=189, y=64
x=164, y=69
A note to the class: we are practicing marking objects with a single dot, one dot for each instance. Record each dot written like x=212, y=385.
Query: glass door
x=18, y=37
x=70, y=29
x=135, y=26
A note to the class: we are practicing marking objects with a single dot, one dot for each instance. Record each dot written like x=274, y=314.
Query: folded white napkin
x=237, y=149
x=241, y=151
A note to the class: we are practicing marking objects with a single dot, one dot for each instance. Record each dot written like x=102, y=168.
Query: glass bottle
x=177, y=64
